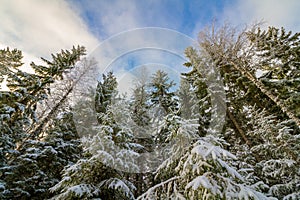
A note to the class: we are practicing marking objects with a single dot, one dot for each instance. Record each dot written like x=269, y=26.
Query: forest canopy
x=62, y=141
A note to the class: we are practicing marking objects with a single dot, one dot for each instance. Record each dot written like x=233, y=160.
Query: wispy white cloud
x=107, y=18
x=43, y=27
x=120, y=16
x=126, y=18
x=155, y=48
x=274, y=12
x=114, y=16
x=40, y=28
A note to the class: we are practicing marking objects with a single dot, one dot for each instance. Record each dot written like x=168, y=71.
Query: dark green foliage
x=108, y=152
x=260, y=111
x=198, y=82
x=39, y=164
x=140, y=106
x=26, y=90
x=18, y=118
x=105, y=92
x=160, y=92
x=251, y=154
x=273, y=155
x=279, y=58
x=187, y=99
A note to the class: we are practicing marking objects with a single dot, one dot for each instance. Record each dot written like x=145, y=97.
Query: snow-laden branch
x=148, y=194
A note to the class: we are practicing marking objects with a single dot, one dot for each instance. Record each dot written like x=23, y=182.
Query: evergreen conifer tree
x=160, y=93
x=40, y=162
x=19, y=122
x=239, y=58
x=109, y=152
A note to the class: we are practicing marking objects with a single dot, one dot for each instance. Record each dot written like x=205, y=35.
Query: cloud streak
x=42, y=27
x=152, y=47
x=106, y=18
x=274, y=12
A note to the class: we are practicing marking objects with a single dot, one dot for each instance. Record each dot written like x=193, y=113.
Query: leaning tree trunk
x=226, y=47
x=264, y=90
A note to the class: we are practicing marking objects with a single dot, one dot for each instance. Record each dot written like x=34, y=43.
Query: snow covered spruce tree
x=39, y=165
x=201, y=170
x=161, y=95
x=105, y=93
x=109, y=152
x=19, y=121
x=187, y=99
x=276, y=159
x=240, y=57
x=140, y=114
x=277, y=57
x=139, y=105
x=163, y=102
x=199, y=167
x=196, y=81
x=255, y=155
x=11, y=132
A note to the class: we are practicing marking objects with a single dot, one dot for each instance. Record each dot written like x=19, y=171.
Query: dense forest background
x=230, y=130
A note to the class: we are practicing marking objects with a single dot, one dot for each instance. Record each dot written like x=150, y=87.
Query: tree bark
x=262, y=88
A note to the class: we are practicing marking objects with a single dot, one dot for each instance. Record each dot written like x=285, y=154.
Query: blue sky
x=42, y=27
x=183, y=16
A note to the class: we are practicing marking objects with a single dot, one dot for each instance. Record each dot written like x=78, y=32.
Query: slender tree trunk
x=262, y=88
x=238, y=127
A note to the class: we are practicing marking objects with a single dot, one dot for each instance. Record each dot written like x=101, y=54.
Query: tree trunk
x=262, y=88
